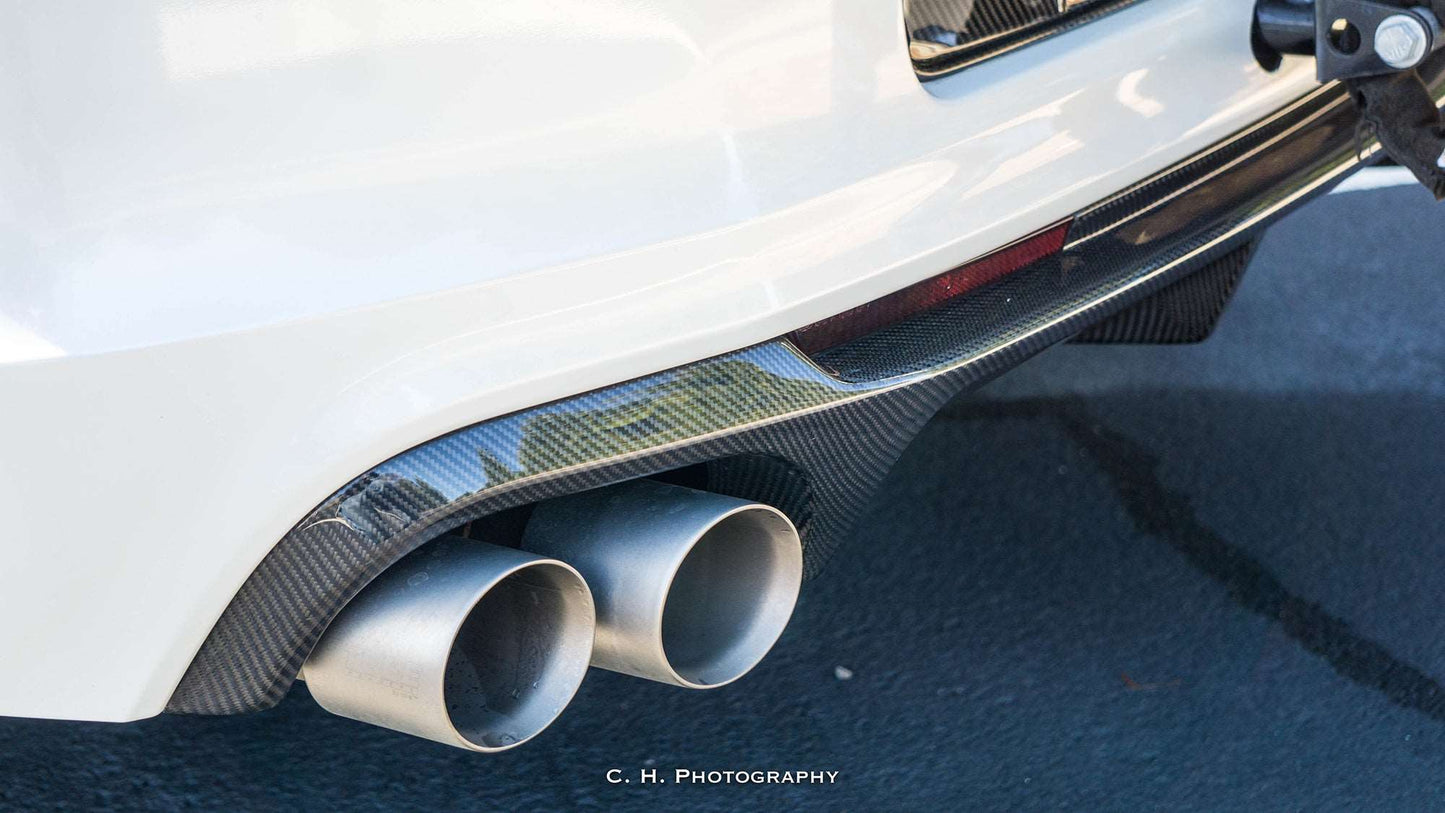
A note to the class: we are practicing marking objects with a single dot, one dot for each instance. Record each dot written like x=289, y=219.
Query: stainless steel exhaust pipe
x=692, y=588
x=465, y=643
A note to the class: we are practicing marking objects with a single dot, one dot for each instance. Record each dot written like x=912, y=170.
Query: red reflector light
x=930, y=293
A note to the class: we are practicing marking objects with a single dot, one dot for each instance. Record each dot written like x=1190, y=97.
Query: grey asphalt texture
x=1120, y=578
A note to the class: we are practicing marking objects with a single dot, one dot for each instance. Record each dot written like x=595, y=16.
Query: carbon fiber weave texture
x=254, y=652
x=948, y=35
x=1183, y=313
x=837, y=445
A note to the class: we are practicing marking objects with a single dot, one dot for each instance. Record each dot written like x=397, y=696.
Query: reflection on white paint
x=797, y=39
x=1056, y=148
x=1129, y=95
x=19, y=344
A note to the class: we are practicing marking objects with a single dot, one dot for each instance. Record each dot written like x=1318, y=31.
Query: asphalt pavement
x=1120, y=578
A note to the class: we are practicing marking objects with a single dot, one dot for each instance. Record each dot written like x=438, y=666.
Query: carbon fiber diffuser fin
x=1184, y=313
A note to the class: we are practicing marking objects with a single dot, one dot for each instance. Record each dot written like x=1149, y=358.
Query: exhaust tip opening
x=731, y=597
x=519, y=657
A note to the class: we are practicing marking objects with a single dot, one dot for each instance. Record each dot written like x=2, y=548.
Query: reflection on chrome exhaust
x=692, y=588
x=465, y=643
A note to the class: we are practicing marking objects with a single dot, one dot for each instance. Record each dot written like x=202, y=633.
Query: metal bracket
x=1350, y=38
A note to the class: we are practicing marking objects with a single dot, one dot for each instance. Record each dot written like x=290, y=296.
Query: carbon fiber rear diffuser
x=813, y=436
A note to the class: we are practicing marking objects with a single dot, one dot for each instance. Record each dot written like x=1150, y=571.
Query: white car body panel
x=251, y=249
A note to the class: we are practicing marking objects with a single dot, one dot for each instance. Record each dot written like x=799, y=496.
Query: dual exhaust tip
x=481, y=647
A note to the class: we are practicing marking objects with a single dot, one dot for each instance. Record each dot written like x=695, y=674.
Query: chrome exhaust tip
x=462, y=642
x=692, y=588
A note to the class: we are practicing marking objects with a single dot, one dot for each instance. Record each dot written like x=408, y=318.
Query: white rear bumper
x=249, y=255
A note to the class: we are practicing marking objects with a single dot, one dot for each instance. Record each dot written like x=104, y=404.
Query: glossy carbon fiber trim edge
x=770, y=419
x=946, y=36
x=1183, y=313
